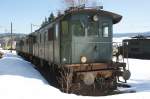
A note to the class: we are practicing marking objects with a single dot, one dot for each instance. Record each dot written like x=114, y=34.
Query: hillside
x=2, y=35
x=116, y=35
x=5, y=39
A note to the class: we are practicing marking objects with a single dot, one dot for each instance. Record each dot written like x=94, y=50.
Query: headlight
x=64, y=59
x=95, y=18
x=83, y=59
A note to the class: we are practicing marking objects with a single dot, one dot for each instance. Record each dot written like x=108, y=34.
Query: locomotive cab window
x=78, y=28
x=93, y=29
x=105, y=30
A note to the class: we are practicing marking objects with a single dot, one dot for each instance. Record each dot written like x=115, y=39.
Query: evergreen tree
x=46, y=21
x=43, y=23
x=51, y=17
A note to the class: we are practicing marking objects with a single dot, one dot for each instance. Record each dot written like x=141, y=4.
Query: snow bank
x=120, y=39
x=4, y=51
x=19, y=80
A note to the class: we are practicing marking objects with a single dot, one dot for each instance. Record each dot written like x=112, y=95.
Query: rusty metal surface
x=87, y=67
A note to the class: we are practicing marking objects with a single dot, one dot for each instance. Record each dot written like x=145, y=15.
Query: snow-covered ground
x=19, y=80
x=140, y=79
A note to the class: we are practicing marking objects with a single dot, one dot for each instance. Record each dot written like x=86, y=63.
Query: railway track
x=85, y=90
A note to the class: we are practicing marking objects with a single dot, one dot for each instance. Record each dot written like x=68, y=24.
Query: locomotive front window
x=78, y=28
x=105, y=30
x=93, y=29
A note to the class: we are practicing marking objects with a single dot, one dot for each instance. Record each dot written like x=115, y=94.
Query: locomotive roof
x=116, y=17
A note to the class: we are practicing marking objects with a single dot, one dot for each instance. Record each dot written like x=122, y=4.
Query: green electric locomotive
x=76, y=48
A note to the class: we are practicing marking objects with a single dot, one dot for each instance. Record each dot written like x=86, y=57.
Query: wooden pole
x=31, y=28
x=11, y=37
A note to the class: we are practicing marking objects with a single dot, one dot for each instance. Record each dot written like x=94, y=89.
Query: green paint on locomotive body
x=77, y=33
x=86, y=37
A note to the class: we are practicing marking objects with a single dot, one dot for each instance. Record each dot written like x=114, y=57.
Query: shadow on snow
x=141, y=85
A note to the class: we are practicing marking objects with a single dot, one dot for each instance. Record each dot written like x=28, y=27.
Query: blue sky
x=136, y=16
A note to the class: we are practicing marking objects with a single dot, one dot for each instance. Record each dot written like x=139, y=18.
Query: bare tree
x=70, y=3
x=81, y=2
x=74, y=3
x=96, y=3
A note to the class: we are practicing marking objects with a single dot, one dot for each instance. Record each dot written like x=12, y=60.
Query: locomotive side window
x=34, y=39
x=56, y=31
x=50, y=34
x=135, y=49
x=135, y=43
x=105, y=30
x=65, y=28
x=40, y=38
x=78, y=28
x=93, y=29
x=44, y=37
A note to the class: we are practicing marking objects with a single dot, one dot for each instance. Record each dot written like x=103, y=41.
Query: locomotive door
x=53, y=38
x=56, y=51
x=65, y=43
